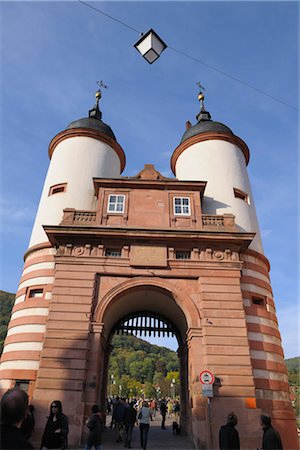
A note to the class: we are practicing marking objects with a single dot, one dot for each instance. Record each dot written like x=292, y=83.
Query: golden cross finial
x=98, y=94
x=201, y=95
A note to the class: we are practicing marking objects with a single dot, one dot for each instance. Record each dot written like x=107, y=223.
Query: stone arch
x=184, y=304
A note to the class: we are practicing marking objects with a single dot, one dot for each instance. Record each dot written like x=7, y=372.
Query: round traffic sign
x=206, y=377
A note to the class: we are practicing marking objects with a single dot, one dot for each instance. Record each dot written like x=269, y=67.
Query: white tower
x=87, y=148
x=209, y=151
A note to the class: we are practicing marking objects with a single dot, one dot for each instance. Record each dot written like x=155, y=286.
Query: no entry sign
x=206, y=377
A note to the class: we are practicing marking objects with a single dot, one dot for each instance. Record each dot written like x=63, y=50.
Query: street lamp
x=111, y=383
x=150, y=46
x=172, y=391
x=174, y=381
x=120, y=390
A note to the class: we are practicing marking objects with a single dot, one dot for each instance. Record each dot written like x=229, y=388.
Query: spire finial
x=203, y=114
x=95, y=112
x=201, y=96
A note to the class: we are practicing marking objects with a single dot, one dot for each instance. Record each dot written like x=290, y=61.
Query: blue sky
x=52, y=53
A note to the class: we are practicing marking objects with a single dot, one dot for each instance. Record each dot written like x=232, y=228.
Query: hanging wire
x=244, y=83
x=234, y=78
x=111, y=17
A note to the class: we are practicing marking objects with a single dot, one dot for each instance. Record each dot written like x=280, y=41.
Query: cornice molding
x=87, y=132
x=207, y=137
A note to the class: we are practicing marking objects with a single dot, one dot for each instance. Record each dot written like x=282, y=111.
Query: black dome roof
x=94, y=124
x=205, y=126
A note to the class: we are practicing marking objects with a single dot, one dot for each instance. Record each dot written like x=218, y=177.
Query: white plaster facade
x=75, y=161
x=222, y=164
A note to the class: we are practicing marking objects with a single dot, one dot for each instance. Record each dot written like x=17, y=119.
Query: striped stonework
x=267, y=358
x=24, y=341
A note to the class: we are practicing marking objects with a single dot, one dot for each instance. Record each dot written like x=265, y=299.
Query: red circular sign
x=206, y=377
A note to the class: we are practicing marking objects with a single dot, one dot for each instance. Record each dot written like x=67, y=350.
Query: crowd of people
x=125, y=413
x=17, y=423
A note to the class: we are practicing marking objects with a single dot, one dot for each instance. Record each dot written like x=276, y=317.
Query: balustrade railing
x=218, y=221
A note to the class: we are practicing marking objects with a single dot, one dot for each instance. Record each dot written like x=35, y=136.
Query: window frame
x=258, y=300
x=182, y=206
x=31, y=289
x=238, y=193
x=57, y=189
x=116, y=203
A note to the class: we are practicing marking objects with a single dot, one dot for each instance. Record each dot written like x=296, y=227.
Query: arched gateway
x=187, y=249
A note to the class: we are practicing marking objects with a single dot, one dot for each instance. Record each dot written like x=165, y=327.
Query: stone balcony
x=210, y=222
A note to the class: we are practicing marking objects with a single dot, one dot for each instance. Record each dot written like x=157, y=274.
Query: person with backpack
x=144, y=417
x=129, y=421
x=57, y=428
x=95, y=426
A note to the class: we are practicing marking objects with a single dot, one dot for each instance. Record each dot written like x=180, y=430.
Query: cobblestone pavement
x=157, y=438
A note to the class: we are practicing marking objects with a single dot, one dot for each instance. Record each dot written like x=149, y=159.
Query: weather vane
x=98, y=94
x=101, y=84
x=200, y=86
x=201, y=95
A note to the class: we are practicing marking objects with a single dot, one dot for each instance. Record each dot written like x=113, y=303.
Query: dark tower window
x=36, y=293
x=58, y=188
x=242, y=195
x=259, y=301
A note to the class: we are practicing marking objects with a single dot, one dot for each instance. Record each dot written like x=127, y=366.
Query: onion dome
x=205, y=124
x=94, y=121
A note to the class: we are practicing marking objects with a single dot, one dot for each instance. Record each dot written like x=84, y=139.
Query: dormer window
x=182, y=206
x=116, y=203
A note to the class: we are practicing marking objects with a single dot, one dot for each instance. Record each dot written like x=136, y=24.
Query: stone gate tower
x=189, y=248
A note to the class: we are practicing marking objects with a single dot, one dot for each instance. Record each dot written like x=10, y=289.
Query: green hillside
x=293, y=367
x=6, y=303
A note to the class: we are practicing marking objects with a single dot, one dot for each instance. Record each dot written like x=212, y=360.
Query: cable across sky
x=209, y=66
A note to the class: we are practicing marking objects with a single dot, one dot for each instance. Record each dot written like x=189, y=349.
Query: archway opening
x=146, y=372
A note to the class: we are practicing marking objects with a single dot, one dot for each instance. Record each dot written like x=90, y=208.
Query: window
x=113, y=252
x=182, y=206
x=35, y=293
x=240, y=194
x=116, y=203
x=22, y=384
x=57, y=188
x=260, y=301
x=183, y=254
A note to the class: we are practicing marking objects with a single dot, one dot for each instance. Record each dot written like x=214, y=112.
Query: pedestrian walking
x=95, y=426
x=271, y=438
x=129, y=421
x=176, y=409
x=119, y=414
x=163, y=411
x=57, y=428
x=14, y=405
x=144, y=417
x=228, y=435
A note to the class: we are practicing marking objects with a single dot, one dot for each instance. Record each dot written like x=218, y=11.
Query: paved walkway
x=157, y=438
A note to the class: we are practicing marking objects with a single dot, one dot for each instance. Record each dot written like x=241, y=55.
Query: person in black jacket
x=129, y=421
x=228, y=435
x=57, y=428
x=163, y=411
x=14, y=405
x=95, y=426
x=28, y=423
x=271, y=438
